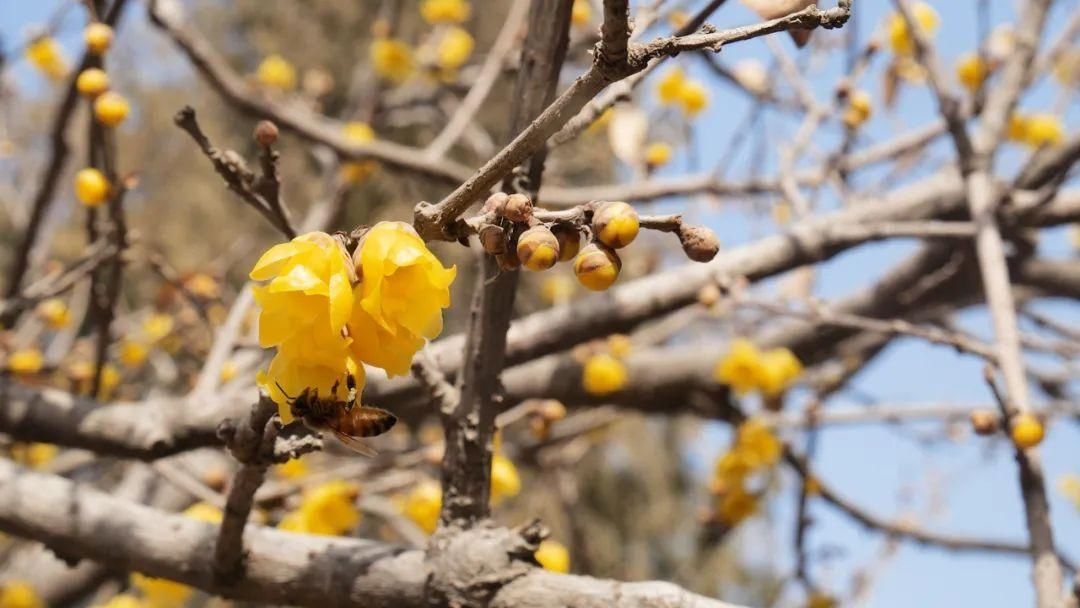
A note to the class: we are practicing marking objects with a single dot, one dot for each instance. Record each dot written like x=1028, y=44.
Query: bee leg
x=333, y=389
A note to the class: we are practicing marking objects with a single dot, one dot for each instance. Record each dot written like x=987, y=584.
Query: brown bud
x=496, y=203
x=569, y=241
x=215, y=478
x=539, y=428
x=508, y=260
x=698, y=242
x=518, y=208
x=493, y=239
x=984, y=422
x=266, y=133
x=537, y=248
x=551, y=410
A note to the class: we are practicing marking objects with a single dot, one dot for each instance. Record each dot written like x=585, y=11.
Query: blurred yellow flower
x=581, y=13
x=619, y=345
x=92, y=82
x=205, y=512
x=669, y=88
x=122, y=600
x=399, y=302
x=160, y=592
x=757, y=443
x=19, y=594
x=203, y=285
x=276, y=72
x=445, y=11
x=110, y=108
x=741, y=367
x=422, y=505
x=45, y=54
x=34, y=455
x=91, y=187
x=133, y=353
x=327, y=509
x=294, y=468
x=602, y=375
x=1066, y=68
x=779, y=368
x=228, y=371
x=392, y=59
x=658, y=153
x=360, y=133
x=971, y=71
x=505, y=481
x=1035, y=130
x=736, y=505
x=553, y=556
x=818, y=599
x=54, y=312
x=732, y=468
x=454, y=48
x=1069, y=486
x=900, y=38
x=557, y=288
x=860, y=107
x=98, y=37
x=157, y=326
x=693, y=97
x=25, y=361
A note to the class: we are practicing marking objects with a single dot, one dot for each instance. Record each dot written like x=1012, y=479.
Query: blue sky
x=872, y=465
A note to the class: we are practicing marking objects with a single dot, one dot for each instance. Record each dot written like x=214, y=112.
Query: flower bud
x=551, y=410
x=569, y=241
x=708, y=295
x=1027, y=431
x=493, y=239
x=496, y=203
x=508, y=260
x=266, y=133
x=537, y=248
x=92, y=188
x=98, y=37
x=92, y=82
x=597, y=267
x=616, y=224
x=111, y=109
x=698, y=242
x=984, y=422
x=518, y=208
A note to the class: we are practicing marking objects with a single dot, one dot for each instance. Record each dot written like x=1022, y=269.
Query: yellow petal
x=273, y=261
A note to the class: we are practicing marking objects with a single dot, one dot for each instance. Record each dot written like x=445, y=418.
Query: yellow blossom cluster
x=1069, y=487
x=581, y=13
x=327, y=509
x=553, y=555
x=392, y=59
x=900, y=37
x=357, y=171
x=505, y=481
x=327, y=312
x=676, y=89
x=453, y=49
x=54, y=312
x=755, y=448
x=276, y=72
x=1035, y=130
x=859, y=109
x=445, y=11
x=19, y=594
x=422, y=505
x=745, y=368
x=971, y=71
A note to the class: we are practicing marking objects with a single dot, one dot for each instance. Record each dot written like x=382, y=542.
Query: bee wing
x=355, y=444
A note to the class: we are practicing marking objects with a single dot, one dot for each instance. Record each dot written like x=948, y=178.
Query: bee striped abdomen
x=363, y=421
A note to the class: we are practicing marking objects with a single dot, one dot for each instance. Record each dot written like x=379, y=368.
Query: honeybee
x=347, y=420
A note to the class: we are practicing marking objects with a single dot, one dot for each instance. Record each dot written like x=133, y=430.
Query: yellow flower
x=603, y=375
x=81, y=374
x=581, y=13
x=658, y=153
x=900, y=38
x=276, y=72
x=98, y=37
x=812, y=486
x=669, y=89
x=736, y=505
x=557, y=289
x=422, y=505
x=757, y=443
x=399, y=302
x=454, y=49
x=1069, y=486
x=292, y=469
x=205, y=512
x=779, y=368
x=619, y=345
x=1035, y=130
x=133, y=354
x=19, y=594
x=693, y=97
x=361, y=133
x=859, y=109
x=971, y=71
x=111, y=108
x=1027, y=431
x=552, y=555
x=732, y=468
x=203, y=286
x=157, y=326
x=330, y=508
x=46, y=55
x=25, y=361
x=122, y=600
x=54, y=312
x=34, y=455
x=741, y=367
x=91, y=187
x=228, y=371
x=505, y=482
x=445, y=11
x=92, y=82
x=392, y=59
x=160, y=592
x=601, y=121
x=1066, y=68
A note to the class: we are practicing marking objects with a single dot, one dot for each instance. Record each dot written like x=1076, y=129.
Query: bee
x=346, y=419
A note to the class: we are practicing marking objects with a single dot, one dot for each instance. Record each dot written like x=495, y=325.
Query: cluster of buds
x=518, y=234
